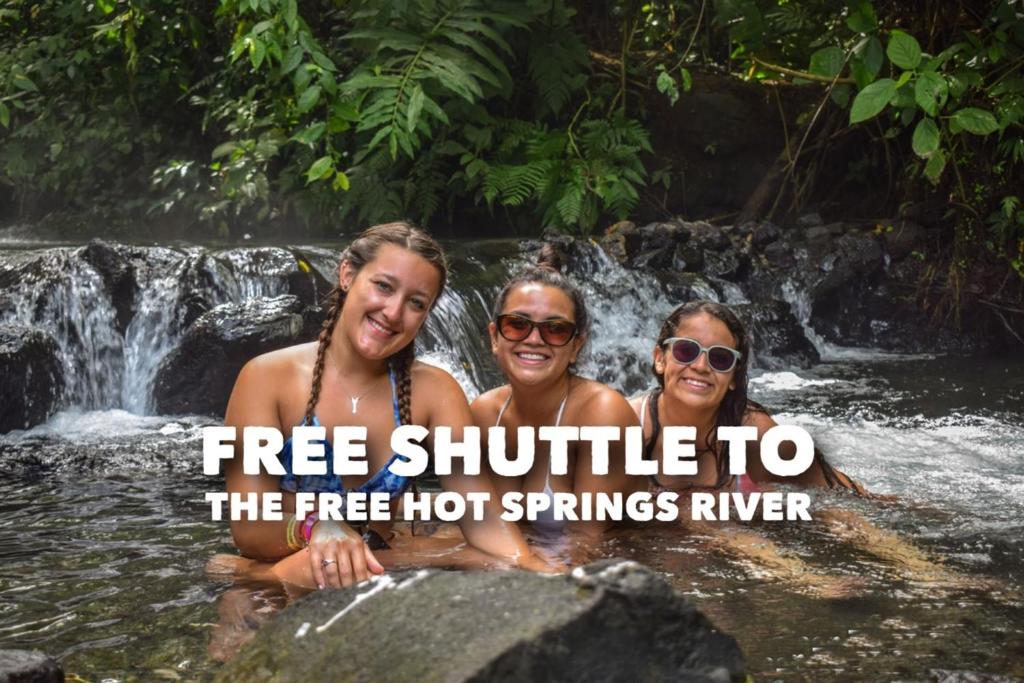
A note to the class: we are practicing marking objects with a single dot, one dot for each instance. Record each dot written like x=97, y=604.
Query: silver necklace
x=355, y=399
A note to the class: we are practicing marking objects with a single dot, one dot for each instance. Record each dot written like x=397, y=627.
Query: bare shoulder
x=435, y=381
x=601, y=405
x=754, y=417
x=266, y=381
x=485, y=407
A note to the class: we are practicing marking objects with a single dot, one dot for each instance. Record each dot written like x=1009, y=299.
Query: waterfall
x=63, y=294
x=68, y=299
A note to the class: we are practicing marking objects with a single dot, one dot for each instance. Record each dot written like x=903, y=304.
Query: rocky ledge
x=612, y=620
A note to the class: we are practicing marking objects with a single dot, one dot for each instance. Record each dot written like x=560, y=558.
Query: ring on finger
x=327, y=563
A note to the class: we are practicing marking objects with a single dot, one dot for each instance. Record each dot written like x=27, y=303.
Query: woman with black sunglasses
x=537, y=331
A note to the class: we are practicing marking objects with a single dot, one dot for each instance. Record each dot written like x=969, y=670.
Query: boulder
x=31, y=376
x=198, y=375
x=29, y=666
x=113, y=264
x=902, y=237
x=613, y=620
x=727, y=265
x=777, y=337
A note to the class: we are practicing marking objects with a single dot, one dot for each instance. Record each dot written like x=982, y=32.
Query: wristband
x=307, y=527
x=292, y=537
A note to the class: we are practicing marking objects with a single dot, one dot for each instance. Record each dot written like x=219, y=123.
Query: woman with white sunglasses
x=701, y=364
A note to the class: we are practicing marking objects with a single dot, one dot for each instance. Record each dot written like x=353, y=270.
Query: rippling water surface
x=103, y=538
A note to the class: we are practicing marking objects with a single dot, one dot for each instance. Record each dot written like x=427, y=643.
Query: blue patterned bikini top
x=384, y=480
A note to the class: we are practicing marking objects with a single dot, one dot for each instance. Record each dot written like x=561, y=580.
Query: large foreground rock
x=198, y=375
x=28, y=666
x=31, y=376
x=613, y=620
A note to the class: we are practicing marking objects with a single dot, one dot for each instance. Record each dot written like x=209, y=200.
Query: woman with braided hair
x=361, y=371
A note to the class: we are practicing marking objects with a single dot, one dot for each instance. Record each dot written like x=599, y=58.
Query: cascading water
x=64, y=295
x=67, y=298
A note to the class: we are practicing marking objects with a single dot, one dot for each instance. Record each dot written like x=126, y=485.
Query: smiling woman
x=361, y=371
x=538, y=329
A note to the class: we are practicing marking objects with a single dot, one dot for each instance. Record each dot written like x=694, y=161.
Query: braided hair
x=736, y=401
x=362, y=251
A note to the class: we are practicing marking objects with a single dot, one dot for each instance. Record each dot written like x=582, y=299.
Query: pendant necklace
x=355, y=399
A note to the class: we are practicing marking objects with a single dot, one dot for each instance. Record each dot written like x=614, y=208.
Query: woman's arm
x=605, y=407
x=813, y=476
x=253, y=403
x=448, y=408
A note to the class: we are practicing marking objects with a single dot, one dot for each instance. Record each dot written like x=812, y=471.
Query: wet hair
x=736, y=402
x=547, y=271
x=363, y=250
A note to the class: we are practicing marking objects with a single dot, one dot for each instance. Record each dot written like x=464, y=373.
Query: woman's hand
x=339, y=557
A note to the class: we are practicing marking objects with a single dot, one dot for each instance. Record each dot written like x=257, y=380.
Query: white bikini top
x=546, y=518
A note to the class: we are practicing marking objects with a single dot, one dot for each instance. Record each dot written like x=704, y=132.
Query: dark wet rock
x=113, y=263
x=682, y=287
x=777, y=337
x=29, y=666
x=689, y=258
x=761, y=233
x=613, y=620
x=779, y=255
x=851, y=264
x=31, y=376
x=307, y=281
x=198, y=375
x=728, y=265
x=819, y=235
x=709, y=237
x=809, y=220
x=902, y=237
x=659, y=257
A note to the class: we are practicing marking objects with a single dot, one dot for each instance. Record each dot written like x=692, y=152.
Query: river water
x=104, y=533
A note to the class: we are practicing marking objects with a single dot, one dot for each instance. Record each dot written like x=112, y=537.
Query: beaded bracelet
x=292, y=534
x=307, y=526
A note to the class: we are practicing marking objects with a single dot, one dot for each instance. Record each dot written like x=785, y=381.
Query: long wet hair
x=548, y=271
x=736, y=402
x=362, y=251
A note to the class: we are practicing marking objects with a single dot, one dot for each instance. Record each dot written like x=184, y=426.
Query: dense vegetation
x=251, y=112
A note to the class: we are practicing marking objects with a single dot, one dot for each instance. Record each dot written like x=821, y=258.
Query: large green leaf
x=931, y=92
x=828, y=61
x=415, y=107
x=936, y=163
x=977, y=121
x=310, y=134
x=904, y=50
x=872, y=100
x=321, y=169
x=309, y=98
x=926, y=138
x=862, y=17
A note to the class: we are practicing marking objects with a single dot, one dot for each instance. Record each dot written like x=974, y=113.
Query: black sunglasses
x=516, y=328
x=686, y=351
